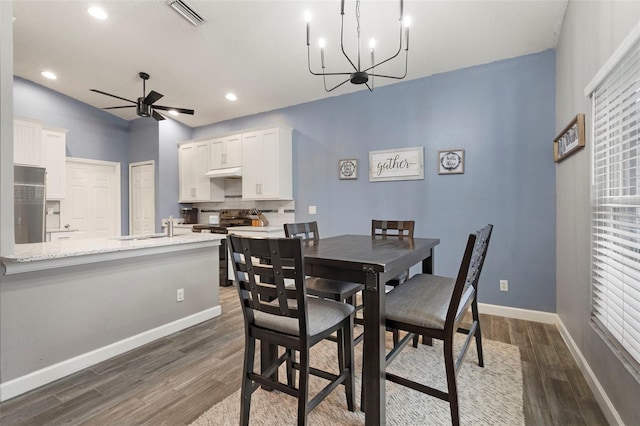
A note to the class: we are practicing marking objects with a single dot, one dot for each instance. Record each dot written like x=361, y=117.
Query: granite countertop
x=256, y=228
x=71, y=248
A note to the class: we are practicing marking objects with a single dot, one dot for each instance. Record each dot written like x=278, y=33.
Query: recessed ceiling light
x=173, y=112
x=231, y=97
x=97, y=13
x=49, y=75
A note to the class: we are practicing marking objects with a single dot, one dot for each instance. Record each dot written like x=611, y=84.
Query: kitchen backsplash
x=277, y=212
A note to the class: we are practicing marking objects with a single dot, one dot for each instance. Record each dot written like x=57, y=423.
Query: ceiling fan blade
x=180, y=110
x=152, y=97
x=124, y=106
x=155, y=114
x=113, y=96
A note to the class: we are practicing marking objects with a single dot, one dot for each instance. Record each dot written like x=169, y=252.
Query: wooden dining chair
x=283, y=315
x=393, y=229
x=435, y=306
x=342, y=291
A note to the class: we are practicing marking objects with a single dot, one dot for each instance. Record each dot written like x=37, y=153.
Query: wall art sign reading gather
x=396, y=164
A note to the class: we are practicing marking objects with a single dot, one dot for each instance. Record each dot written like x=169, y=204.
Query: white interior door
x=92, y=201
x=141, y=198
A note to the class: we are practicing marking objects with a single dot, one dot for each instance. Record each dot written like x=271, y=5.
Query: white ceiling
x=257, y=49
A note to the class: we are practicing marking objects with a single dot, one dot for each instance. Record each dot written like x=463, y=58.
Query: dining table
x=371, y=261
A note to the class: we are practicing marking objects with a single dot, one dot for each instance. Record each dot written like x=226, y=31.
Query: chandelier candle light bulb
x=406, y=22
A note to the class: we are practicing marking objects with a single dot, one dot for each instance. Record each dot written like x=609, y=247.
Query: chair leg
x=303, y=388
x=348, y=364
x=291, y=374
x=450, y=367
x=245, y=395
x=478, y=336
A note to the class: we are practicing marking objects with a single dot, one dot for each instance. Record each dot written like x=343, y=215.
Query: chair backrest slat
x=307, y=231
x=261, y=266
x=392, y=228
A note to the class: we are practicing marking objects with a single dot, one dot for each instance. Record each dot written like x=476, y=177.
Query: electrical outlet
x=180, y=295
x=504, y=285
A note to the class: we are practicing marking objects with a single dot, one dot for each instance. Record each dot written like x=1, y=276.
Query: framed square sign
x=451, y=162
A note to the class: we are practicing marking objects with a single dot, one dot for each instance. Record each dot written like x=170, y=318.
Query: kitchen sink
x=139, y=237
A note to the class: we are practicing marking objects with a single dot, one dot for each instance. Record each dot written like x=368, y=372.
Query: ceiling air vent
x=187, y=12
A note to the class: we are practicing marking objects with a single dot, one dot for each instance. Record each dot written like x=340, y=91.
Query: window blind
x=615, y=231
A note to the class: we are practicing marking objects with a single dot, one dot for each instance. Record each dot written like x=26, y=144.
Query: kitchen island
x=69, y=304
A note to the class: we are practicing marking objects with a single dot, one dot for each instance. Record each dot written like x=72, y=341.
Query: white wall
x=590, y=33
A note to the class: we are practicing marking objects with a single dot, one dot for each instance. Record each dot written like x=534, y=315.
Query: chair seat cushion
x=322, y=315
x=423, y=301
x=331, y=289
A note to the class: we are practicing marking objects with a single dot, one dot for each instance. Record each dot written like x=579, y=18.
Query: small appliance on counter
x=189, y=215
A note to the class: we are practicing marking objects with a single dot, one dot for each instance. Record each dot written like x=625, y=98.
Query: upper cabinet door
x=267, y=165
x=53, y=158
x=186, y=156
x=233, y=154
x=226, y=152
x=27, y=145
x=193, y=163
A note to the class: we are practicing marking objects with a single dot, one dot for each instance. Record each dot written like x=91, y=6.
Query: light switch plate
x=312, y=209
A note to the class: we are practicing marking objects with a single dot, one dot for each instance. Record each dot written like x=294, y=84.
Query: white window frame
x=615, y=201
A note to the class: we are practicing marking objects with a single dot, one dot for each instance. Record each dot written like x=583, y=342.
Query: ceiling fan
x=145, y=105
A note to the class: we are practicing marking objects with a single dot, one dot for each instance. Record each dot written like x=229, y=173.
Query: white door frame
x=116, y=167
x=153, y=183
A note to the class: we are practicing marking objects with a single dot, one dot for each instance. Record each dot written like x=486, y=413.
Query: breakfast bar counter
x=36, y=256
x=69, y=304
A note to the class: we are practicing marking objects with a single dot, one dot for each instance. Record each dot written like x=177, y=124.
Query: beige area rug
x=488, y=396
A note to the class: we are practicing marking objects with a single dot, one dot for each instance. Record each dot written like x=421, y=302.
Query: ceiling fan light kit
x=359, y=75
x=145, y=104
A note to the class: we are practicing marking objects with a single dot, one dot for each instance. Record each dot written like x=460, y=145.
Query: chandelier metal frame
x=359, y=75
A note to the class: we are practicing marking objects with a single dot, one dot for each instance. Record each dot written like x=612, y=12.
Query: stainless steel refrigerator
x=29, y=204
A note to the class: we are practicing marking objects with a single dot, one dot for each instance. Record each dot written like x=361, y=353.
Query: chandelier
x=359, y=75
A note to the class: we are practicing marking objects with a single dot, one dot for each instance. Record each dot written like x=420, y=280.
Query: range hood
x=231, y=172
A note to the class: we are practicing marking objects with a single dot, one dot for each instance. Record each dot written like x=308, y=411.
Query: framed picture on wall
x=570, y=139
x=451, y=162
x=348, y=169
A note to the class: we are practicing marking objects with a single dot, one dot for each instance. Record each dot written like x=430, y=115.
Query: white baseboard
x=604, y=402
x=517, y=313
x=54, y=372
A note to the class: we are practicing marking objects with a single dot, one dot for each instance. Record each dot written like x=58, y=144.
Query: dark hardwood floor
x=174, y=380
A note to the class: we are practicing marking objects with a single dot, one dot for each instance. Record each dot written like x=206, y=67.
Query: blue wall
x=502, y=114
x=92, y=133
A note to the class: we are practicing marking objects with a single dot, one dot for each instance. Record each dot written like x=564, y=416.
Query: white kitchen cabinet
x=225, y=152
x=267, y=172
x=27, y=145
x=53, y=159
x=193, y=163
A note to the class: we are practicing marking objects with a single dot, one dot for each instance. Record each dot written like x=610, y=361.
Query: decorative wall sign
x=570, y=140
x=348, y=169
x=451, y=162
x=396, y=164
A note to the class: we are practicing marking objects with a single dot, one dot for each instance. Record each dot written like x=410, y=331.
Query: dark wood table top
x=353, y=252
